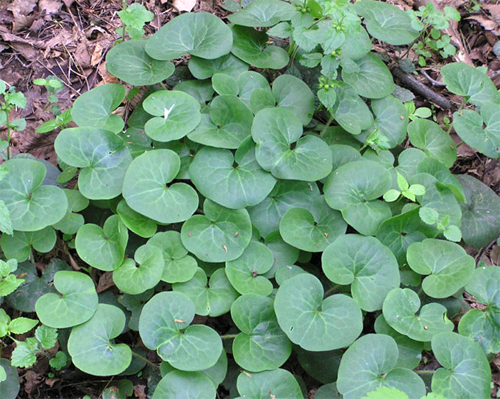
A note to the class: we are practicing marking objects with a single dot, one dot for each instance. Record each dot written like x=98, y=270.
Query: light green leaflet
x=75, y=305
x=204, y=69
x=32, y=206
x=102, y=157
x=447, y=265
x=281, y=151
x=278, y=383
x=18, y=245
x=370, y=363
x=220, y=235
x=232, y=181
x=129, y=62
x=466, y=372
x=102, y=248
x=212, y=299
x=366, y=264
x=91, y=344
x=94, y=108
x=261, y=345
x=164, y=326
x=176, y=114
x=146, y=189
x=313, y=323
x=200, y=34
x=183, y=384
x=263, y=13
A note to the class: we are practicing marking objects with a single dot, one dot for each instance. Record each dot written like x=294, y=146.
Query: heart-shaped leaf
x=212, y=299
x=278, y=383
x=400, y=308
x=129, y=62
x=443, y=175
x=32, y=206
x=72, y=221
x=227, y=125
x=447, y=265
x=370, y=363
x=75, y=305
x=249, y=82
x=225, y=84
x=283, y=253
x=245, y=272
x=220, y=235
x=250, y=46
x=263, y=13
x=18, y=246
x=327, y=391
x=281, y=151
x=366, y=264
x=322, y=366
x=164, y=326
x=293, y=94
x=103, y=248
x=350, y=111
x=200, y=34
x=185, y=384
x=102, y=155
x=135, y=222
x=466, y=372
x=232, y=181
x=261, y=345
x=203, y=69
x=134, y=279
x=176, y=114
x=313, y=323
x=94, y=108
x=146, y=189
x=91, y=344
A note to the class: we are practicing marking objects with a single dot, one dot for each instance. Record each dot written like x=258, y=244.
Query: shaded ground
x=69, y=39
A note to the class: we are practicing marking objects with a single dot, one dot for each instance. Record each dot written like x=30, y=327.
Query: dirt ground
x=70, y=38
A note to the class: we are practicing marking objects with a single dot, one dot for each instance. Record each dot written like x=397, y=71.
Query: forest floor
x=70, y=39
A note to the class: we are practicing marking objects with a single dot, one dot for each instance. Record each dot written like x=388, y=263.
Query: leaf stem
x=8, y=134
x=229, y=336
x=145, y=360
x=332, y=290
x=425, y=372
x=325, y=128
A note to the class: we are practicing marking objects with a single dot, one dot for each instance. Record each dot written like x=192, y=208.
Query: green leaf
x=263, y=13
x=293, y=94
x=313, y=323
x=200, y=34
x=179, y=267
x=220, y=235
x=32, y=206
x=232, y=181
x=391, y=195
x=5, y=220
x=102, y=248
x=164, y=326
x=447, y=265
x=9, y=285
x=18, y=245
x=21, y=325
x=75, y=303
x=351, y=112
x=465, y=373
x=366, y=264
x=129, y=62
x=94, y=108
x=386, y=22
x=370, y=363
x=227, y=125
x=245, y=273
x=146, y=189
x=281, y=151
x=278, y=383
x=386, y=393
x=91, y=344
x=225, y=84
x=400, y=308
x=391, y=119
x=453, y=233
x=322, y=366
x=24, y=354
x=250, y=46
x=47, y=336
x=327, y=391
x=228, y=64
x=417, y=189
x=261, y=345
x=428, y=215
x=212, y=299
x=249, y=82
x=135, y=222
x=9, y=388
x=176, y=114
x=58, y=361
x=182, y=384
x=135, y=16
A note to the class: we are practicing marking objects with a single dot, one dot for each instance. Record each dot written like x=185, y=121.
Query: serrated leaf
x=47, y=336
x=21, y=325
x=24, y=354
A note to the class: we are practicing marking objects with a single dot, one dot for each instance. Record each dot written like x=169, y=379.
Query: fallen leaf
x=184, y=5
x=50, y=7
x=486, y=23
x=105, y=282
x=140, y=391
x=20, y=10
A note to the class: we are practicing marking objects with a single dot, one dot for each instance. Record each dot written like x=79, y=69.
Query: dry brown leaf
x=20, y=10
x=105, y=282
x=96, y=55
x=494, y=10
x=486, y=23
x=23, y=46
x=184, y=5
x=140, y=391
x=50, y=7
x=105, y=75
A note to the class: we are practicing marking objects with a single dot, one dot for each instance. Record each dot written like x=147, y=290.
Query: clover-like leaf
x=146, y=189
x=293, y=94
x=129, y=62
x=75, y=305
x=313, y=323
x=370, y=363
x=185, y=384
x=91, y=344
x=32, y=206
x=10, y=386
x=212, y=299
x=350, y=111
x=245, y=272
x=203, y=69
x=447, y=265
x=366, y=264
x=18, y=245
x=164, y=326
x=200, y=34
x=232, y=181
x=175, y=115
x=278, y=383
x=465, y=373
x=102, y=248
x=281, y=151
x=220, y=235
x=261, y=345
x=94, y=108
x=400, y=311
x=263, y=13
x=102, y=156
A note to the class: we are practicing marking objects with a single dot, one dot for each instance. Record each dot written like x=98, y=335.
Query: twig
x=433, y=82
x=485, y=248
